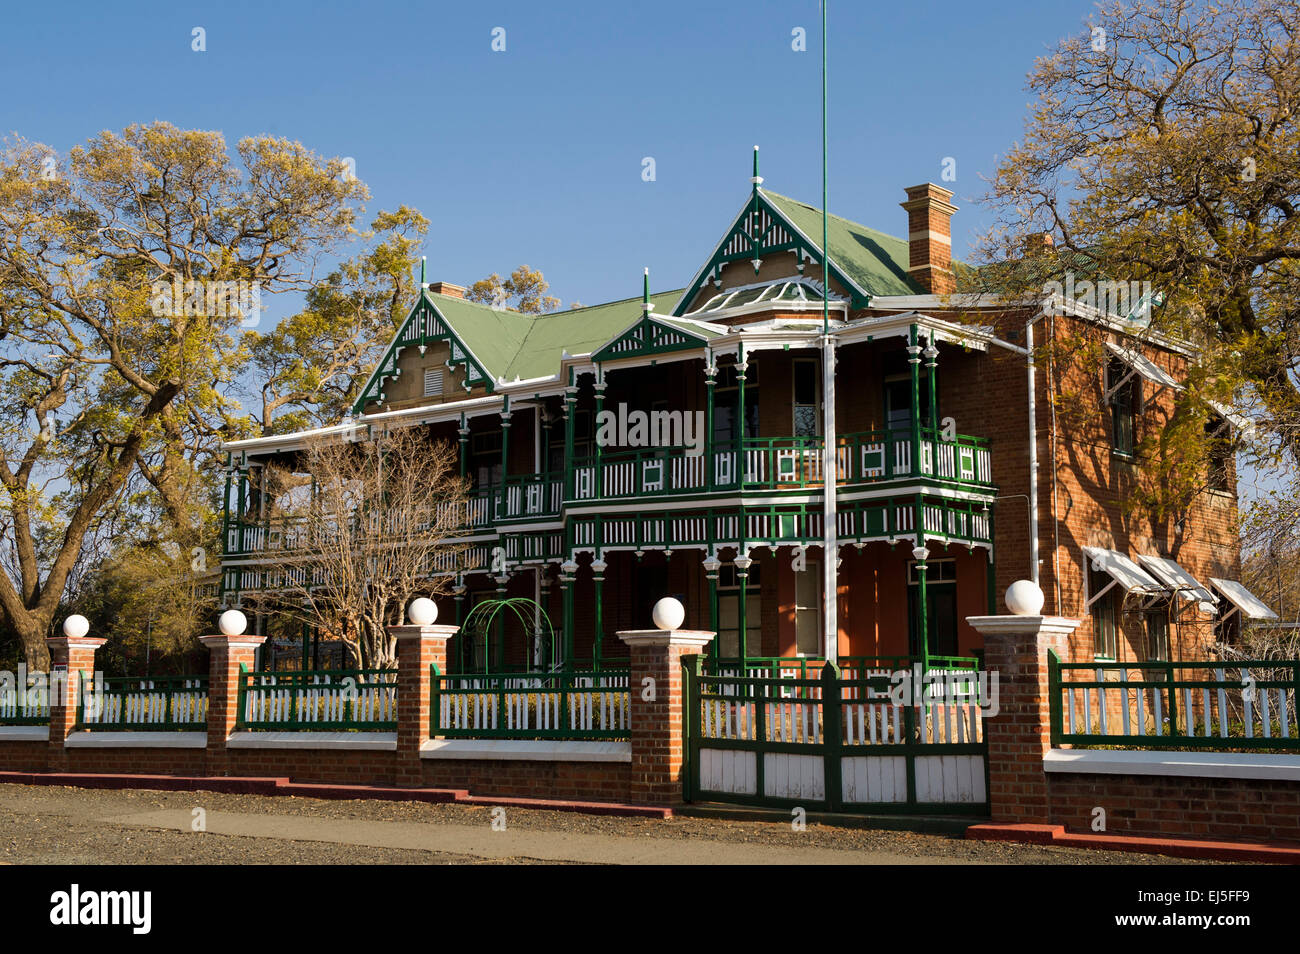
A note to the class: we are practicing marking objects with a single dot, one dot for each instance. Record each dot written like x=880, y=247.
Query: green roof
x=876, y=261
x=512, y=345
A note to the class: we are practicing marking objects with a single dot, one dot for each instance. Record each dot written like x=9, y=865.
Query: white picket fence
x=556, y=705
x=319, y=699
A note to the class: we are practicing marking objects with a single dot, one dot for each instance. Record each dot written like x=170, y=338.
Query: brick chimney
x=929, y=237
x=448, y=289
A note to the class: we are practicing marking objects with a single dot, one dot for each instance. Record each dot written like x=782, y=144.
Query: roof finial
x=645, y=293
x=756, y=178
x=423, y=260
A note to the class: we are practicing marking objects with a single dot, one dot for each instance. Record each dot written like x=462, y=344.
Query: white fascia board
x=971, y=336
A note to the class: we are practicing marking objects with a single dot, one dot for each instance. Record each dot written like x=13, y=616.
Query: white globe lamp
x=76, y=626
x=668, y=613
x=232, y=623
x=422, y=611
x=1024, y=598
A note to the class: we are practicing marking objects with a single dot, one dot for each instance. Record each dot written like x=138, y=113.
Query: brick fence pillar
x=72, y=656
x=658, y=730
x=227, y=653
x=1015, y=648
x=418, y=648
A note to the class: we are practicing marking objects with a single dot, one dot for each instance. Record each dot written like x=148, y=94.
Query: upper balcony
x=767, y=466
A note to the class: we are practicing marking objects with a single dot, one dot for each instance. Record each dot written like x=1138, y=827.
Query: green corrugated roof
x=510, y=344
x=876, y=261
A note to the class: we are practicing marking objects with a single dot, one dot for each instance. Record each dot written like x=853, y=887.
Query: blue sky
x=535, y=154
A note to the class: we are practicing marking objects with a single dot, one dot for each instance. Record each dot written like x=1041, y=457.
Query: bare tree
x=376, y=526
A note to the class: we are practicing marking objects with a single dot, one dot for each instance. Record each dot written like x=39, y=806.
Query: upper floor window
x=726, y=403
x=1124, y=387
x=1220, y=457
x=806, y=400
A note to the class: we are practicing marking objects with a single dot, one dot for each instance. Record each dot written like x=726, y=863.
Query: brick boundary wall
x=1022, y=792
x=651, y=775
x=1217, y=808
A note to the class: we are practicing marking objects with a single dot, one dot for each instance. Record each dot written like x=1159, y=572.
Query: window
x=729, y=612
x=1105, y=616
x=808, y=610
x=1157, y=632
x=584, y=443
x=726, y=403
x=485, y=458
x=1221, y=458
x=940, y=608
x=1124, y=398
x=806, y=399
x=898, y=404
x=433, y=382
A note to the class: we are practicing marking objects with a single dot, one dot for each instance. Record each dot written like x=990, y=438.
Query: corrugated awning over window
x=1144, y=366
x=1175, y=578
x=1242, y=599
x=1126, y=574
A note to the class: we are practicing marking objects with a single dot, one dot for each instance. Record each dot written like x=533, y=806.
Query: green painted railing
x=769, y=463
x=557, y=705
x=1246, y=704
x=29, y=705
x=143, y=703
x=871, y=456
x=851, y=667
x=323, y=699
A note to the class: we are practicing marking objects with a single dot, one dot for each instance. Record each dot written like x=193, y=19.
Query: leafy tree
x=376, y=527
x=127, y=275
x=1164, y=147
x=310, y=368
x=525, y=290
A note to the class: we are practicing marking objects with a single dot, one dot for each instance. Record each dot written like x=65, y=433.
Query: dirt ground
x=51, y=825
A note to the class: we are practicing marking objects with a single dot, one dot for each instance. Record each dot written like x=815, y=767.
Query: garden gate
x=830, y=743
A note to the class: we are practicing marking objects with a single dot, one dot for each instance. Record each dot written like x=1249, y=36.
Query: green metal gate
x=832, y=744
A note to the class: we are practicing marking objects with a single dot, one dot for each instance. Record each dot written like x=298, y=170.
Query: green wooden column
x=914, y=364
x=742, y=365
x=505, y=457
x=743, y=563
x=711, y=567
x=598, y=567
x=600, y=406
x=710, y=383
x=462, y=661
x=568, y=577
x=922, y=617
x=462, y=437
x=931, y=361
x=570, y=414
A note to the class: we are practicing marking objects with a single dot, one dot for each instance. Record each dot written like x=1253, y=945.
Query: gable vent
x=433, y=382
